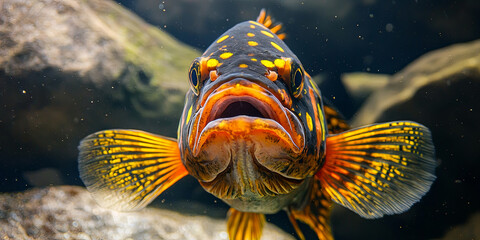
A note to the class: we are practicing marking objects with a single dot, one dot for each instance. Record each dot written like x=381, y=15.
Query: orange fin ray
x=267, y=21
x=245, y=225
x=127, y=169
x=316, y=213
x=379, y=169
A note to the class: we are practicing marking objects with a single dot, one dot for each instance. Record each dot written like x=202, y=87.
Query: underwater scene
x=240, y=119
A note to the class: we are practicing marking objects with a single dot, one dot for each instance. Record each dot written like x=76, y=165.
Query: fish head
x=247, y=130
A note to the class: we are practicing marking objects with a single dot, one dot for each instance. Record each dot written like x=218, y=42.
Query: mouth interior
x=241, y=108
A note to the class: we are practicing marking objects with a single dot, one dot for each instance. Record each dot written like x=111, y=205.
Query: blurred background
x=329, y=37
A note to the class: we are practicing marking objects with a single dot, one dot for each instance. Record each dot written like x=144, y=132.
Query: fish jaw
x=246, y=184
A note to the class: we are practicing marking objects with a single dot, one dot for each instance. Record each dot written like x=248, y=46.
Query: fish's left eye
x=195, y=76
x=292, y=74
x=296, y=79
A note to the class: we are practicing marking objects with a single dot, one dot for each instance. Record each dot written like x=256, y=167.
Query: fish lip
x=241, y=89
x=223, y=79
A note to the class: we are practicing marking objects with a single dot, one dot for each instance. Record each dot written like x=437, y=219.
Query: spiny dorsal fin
x=267, y=21
x=245, y=225
x=316, y=213
x=127, y=169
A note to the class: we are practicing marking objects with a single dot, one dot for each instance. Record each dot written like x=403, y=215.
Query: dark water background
x=330, y=38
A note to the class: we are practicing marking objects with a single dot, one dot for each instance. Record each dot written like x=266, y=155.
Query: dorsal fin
x=267, y=21
x=336, y=122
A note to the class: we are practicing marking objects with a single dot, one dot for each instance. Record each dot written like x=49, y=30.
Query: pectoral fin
x=316, y=214
x=245, y=225
x=127, y=169
x=379, y=169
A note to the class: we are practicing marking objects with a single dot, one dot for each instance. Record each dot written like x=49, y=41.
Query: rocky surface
x=68, y=212
x=69, y=68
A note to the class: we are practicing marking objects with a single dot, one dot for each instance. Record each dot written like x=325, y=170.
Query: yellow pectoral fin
x=245, y=225
x=127, y=169
x=379, y=169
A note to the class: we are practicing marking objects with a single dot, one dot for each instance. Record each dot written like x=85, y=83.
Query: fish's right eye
x=195, y=76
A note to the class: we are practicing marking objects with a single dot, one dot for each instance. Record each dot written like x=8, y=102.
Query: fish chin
x=249, y=145
x=246, y=143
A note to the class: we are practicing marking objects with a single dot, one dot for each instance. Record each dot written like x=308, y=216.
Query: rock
x=68, y=212
x=69, y=68
x=440, y=90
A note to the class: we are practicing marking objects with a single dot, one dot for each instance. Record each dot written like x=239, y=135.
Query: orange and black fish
x=255, y=133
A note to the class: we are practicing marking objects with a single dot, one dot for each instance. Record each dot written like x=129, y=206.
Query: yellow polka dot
x=189, y=114
x=243, y=65
x=256, y=23
x=267, y=33
x=279, y=63
x=222, y=38
x=250, y=34
x=267, y=63
x=226, y=55
x=254, y=59
x=309, y=121
x=277, y=47
x=252, y=26
x=252, y=43
x=212, y=63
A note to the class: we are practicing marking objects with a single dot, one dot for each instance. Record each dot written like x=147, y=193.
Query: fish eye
x=194, y=75
x=296, y=79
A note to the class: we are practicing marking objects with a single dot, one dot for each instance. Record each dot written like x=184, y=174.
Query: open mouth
x=233, y=106
x=240, y=107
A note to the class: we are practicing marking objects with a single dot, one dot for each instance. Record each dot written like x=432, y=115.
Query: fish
x=257, y=133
